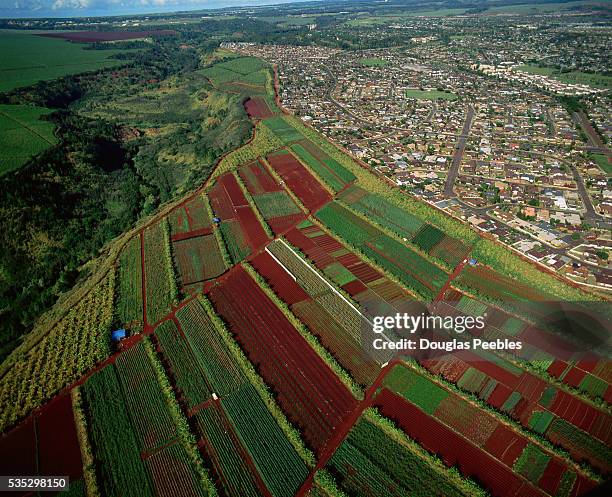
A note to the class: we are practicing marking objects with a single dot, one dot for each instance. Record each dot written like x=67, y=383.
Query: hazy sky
x=61, y=8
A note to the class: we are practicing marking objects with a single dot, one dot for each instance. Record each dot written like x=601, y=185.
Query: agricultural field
x=128, y=308
x=416, y=272
x=198, y=259
x=74, y=345
x=378, y=460
x=248, y=372
x=247, y=74
x=23, y=134
x=241, y=229
x=299, y=180
x=283, y=129
x=333, y=174
x=259, y=108
x=47, y=442
x=332, y=318
x=483, y=447
x=28, y=58
x=423, y=236
x=160, y=284
x=306, y=389
x=134, y=431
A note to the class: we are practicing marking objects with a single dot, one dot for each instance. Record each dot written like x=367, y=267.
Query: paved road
x=459, y=150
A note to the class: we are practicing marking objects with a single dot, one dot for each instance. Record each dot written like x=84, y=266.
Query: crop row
x=327, y=175
x=129, y=289
x=496, y=446
x=307, y=390
x=159, y=275
x=552, y=351
x=189, y=378
x=285, y=132
x=211, y=353
x=257, y=179
x=198, y=259
x=140, y=442
x=534, y=404
x=299, y=180
x=378, y=461
x=275, y=204
x=115, y=443
x=413, y=270
x=144, y=399
x=329, y=328
x=280, y=466
x=229, y=460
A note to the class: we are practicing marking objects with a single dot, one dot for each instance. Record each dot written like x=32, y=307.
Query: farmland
x=30, y=58
x=71, y=348
x=470, y=436
x=129, y=287
x=134, y=434
x=23, y=134
x=316, y=406
x=248, y=370
x=413, y=270
x=159, y=275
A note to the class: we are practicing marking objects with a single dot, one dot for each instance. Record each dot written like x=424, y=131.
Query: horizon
x=75, y=9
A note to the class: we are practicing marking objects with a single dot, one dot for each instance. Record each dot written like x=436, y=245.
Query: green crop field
x=26, y=59
x=23, y=134
x=602, y=161
x=275, y=204
x=373, y=62
x=284, y=131
x=430, y=95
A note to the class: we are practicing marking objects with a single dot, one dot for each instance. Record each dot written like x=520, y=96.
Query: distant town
x=476, y=128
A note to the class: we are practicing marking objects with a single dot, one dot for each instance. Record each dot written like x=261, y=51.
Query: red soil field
x=505, y=445
x=499, y=396
x=354, y=287
x=280, y=281
x=220, y=202
x=574, y=377
x=233, y=190
x=300, y=181
x=257, y=108
x=18, y=450
x=257, y=179
x=94, y=36
x=45, y=444
x=191, y=234
x=306, y=389
x=452, y=448
x=281, y=224
x=252, y=227
x=58, y=445
x=531, y=387
x=551, y=477
x=583, y=416
x=228, y=202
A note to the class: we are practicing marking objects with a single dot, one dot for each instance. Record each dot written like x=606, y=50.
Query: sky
x=76, y=8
